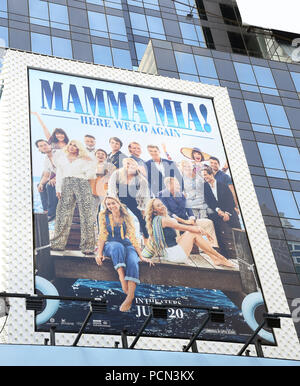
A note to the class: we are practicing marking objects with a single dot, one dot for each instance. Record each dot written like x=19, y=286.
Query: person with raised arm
x=58, y=139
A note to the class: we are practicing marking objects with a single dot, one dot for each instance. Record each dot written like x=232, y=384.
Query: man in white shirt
x=46, y=186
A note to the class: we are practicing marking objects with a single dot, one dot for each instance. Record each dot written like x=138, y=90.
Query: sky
x=273, y=14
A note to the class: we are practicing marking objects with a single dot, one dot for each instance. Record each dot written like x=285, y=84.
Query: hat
x=187, y=152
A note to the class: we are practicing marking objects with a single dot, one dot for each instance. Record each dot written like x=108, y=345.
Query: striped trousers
x=75, y=190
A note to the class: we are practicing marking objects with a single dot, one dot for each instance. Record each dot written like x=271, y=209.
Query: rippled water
x=181, y=323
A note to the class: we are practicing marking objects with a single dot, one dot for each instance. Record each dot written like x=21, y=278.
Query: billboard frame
x=18, y=248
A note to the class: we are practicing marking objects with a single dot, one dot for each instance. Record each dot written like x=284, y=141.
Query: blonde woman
x=129, y=184
x=74, y=170
x=164, y=241
x=117, y=241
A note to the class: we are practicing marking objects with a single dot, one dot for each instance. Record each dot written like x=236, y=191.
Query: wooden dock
x=198, y=274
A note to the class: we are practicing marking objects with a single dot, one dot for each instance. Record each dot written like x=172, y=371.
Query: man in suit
x=219, y=199
x=46, y=186
x=224, y=178
x=135, y=151
x=116, y=156
x=158, y=169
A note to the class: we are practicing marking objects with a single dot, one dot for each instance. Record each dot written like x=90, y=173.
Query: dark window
x=230, y=14
x=237, y=43
x=208, y=37
x=201, y=9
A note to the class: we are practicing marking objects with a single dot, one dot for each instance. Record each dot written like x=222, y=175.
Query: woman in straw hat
x=197, y=156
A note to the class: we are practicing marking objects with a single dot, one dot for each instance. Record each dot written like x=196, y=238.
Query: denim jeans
x=123, y=256
x=49, y=199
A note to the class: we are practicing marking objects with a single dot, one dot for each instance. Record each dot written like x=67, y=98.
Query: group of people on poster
x=178, y=205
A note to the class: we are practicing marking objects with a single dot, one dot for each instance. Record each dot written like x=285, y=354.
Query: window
x=257, y=112
x=121, y=58
x=264, y=77
x=285, y=203
x=3, y=8
x=116, y=27
x=3, y=36
x=98, y=2
x=147, y=25
x=102, y=55
x=291, y=158
x=59, y=16
x=155, y=26
x=245, y=73
x=139, y=24
x=206, y=66
x=270, y=155
x=62, y=47
x=230, y=14
x=296, y=79
x=297, y=196
x=98, y=24
x=186, y=7
x=255, y=76
x=277, y=116
x=38, y=12
x=201, y=9
x=41, y=43
x=192, y=34
x=237, y=43
x=140, y=49
x=262, y=129
x=185, y=63
x=152, y=4
x=113, y=4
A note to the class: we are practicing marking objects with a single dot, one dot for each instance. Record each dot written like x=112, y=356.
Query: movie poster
x=134, y=204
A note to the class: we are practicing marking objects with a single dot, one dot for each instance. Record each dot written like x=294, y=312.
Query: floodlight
x=159, y=313
x=4, y=307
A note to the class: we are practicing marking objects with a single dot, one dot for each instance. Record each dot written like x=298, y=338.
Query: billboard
x=134, y=203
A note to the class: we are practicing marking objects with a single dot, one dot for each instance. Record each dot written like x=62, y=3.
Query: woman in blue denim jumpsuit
x=117, y=241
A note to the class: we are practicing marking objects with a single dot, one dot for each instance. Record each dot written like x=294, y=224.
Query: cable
x=4, y=324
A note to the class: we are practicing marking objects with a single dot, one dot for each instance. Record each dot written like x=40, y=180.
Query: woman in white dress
x=74, y=170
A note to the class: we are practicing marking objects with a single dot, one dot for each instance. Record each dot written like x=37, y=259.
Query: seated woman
x=164, y=242
x=117, y=240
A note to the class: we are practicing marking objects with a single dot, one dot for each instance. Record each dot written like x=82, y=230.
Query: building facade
x=202, y=41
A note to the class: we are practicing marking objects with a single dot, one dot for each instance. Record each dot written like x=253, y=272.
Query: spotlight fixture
x=34, y=303
x=4, y=307
x=159, y=313
x=99, y=306
x=273, y=322
x=217, y=316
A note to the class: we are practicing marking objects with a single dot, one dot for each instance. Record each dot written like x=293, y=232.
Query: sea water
x=181, y=322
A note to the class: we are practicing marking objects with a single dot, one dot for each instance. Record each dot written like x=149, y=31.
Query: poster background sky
x=209, y=142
